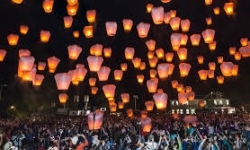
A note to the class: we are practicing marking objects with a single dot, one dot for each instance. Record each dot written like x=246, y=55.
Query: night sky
x=229, y=30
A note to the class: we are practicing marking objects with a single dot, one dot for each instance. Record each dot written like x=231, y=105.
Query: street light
x=1, y=90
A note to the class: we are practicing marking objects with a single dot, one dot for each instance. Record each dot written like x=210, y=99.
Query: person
x=8, y=145
x=83, y=142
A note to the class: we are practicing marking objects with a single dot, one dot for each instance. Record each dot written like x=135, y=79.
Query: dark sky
x=229, y=30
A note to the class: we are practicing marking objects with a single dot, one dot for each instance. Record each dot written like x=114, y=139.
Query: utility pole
x=1, y=89
x=135, y=98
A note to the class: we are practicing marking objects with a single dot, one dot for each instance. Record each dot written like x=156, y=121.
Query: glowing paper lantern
x=149, y=105
x=80, y=73
x=29, y=75
x=170, y=68
x=107, y=51
x=76, y=34
x=152, y=85
x=211, y=66
x=152, y=73
x=220, y=79
x=140, y=78
x=167, y=17
x=130, y=112
x=24, y=52
x=229, y=8
x=150, y=54
x=13, y=39
x=162, y=70
x=23, y=29
x=235, y=70
x=200, y=59
x=48, y=6
x=144, y=114
x=72, y=9
x=184, y=39
x=175, y=23
x=226, y=68
x=203, y=74
x=210, y=74
x=129, y=53
x=185, y=25
x=146, y=124
x=96, y=49
x=208, y=2
x=63, y=97
x=143, y=66
x=182, y=97
x=150, y=44
x=68, y=20
x=74, y=51
x=245, y=51
x=209, y=21
x=103, y=73
x=169, y=56
x=125, y=97
x=127, y=24
x=157, y=14
x=237, y=56
x=208, y=35
x=26, y=63
x=53, y=63
x=188, y=89
x=159, y=53
x=191, y=96
x=149, y=7
x=38, y=79
x=44, y=36
x=111, y=28
x=202, y=103
x=244, y=41
x=95, y=120
x=216, y=10
x=92, y=81
x=17, y=1
x=95, y=63
x=165, y=1
x=184, y=69
x=41, y=66
x=180, y=88
x=136, y=62
x=153, y=62
x=120, y=105
x=63, y=81
x=219, y=59
x=143, y=29
x=195, y=39
x=161, y=100
x=182, y=53
x=174, y=83
x=72, y=2
x=2, y=54
x=212, y=45
x=176, y=40
x=91, y=15
x=232, y=50
x=124, y=66
x=109, y=90
x=118, y=74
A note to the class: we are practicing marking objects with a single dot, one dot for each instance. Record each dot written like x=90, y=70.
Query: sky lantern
x=2, y=54
x=125, y=97
x=13, y=39
x=127, y=24
x=95, y=63
x=17, y=1
x=63, y=97
x=129, y=53
x=152, y=73
x=237, y=56
x=184, y=39
x=144, y=114
x=208, y=35
x=29, y=75
x=209, y=21
x=149, y=7
x=180, y=87
x=26, y=63
x=208, y=2
x=113, y=107
x=159, y=53
x=95, y=120
x=96, y=50
x=63, y=81
x=149, y=105
x=38, y=79
x=48, y=6
x=136, y=62
x=150, y=44
x=80, y=65
x=107, y=52
x=203, y=74
x=76, y=34
x=157, y=14
x=24, y=52
x=129, y=112
x=229, y=8
x=140, y=78
x=111, y=28
x=143, y=29
x=182, y=53
x=188, y=89
x=220, y=79
x=182, y=97
x=53, y=63
x=175, y=40
x=153, y=62
x=143, y=66
x=152, y=85
x=184, y=69
x=172, y=13
x=174, y=83
x=185, y=25
x=170, y=68
x=72, y=9
x=120, y=105
x=146, y=124
x=202, y=103
x=103, y=73
x=150, y=54
x=195, y=39
x=210, y=74
x=44, y=36
x=94, y=90
x=167, y=17
x=200, y=59
x=91, y=15
x=80, y=73
x=211, y=66
x=72, y=2
x=23, y=29
x=68, y=20
x=74, y=77
x=235, y=70
x=216, y=10
x=118, y=74
x=226, y=68
x=92, y=81
x=161, y=100
x=41, y=66
x=169, y=56
x=109, y=90
x=232, y=50
x=74, y=51
x=212, y=45
x=220, y=59
x=162, y=70
x=245, y=51
x=124, y=66
x=191, y=96
x=175, y=23
x=165, y=1
x=244, y=41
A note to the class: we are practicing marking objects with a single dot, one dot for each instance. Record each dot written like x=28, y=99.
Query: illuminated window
x=192, y=111
x=181, y=111
x=215, y=102
x=187, y=111
x=227, y=102
x=220, y=102
x=172, y=103
x=177, y=103
x=173, y=111
x=187, y=103
x=178, y=111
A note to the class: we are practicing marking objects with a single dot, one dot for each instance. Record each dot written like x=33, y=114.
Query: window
x=187, y=111
x=177, y=103
x=173, y=111
x=215, y=102
x=181, y=111
x=227, y=102
x=220, y=102
x=178, y=111
x=172, y=103
x=192, y=111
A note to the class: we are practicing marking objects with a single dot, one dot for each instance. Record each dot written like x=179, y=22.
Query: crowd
x=209, y=132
